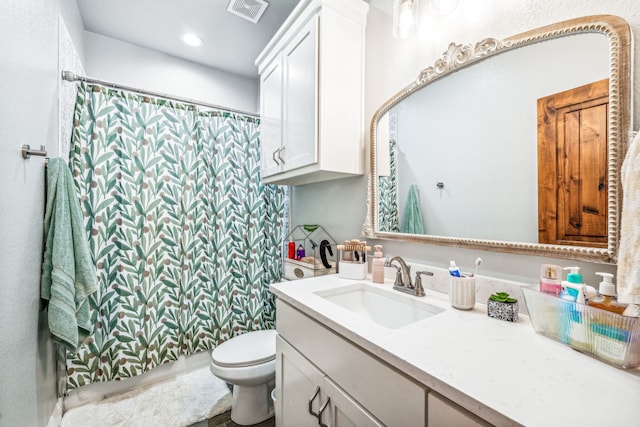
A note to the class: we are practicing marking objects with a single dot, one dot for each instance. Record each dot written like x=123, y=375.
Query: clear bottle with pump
x=606, y=299
x=377, y=268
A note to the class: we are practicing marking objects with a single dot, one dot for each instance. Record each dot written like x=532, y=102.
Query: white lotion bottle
x=377, y=268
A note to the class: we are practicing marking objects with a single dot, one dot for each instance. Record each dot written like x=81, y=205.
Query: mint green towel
x=68, y=272
x=412, y=216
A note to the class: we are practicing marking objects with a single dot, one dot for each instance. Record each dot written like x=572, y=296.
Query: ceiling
x=231, y=43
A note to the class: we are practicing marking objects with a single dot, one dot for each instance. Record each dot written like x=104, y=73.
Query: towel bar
x=27, y=152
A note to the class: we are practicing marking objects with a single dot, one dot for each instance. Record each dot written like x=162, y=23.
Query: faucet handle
x=419, y=290
x=399, y=281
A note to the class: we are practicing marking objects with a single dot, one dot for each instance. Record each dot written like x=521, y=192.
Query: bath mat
x=178, y=402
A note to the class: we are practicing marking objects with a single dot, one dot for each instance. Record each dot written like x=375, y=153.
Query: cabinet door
x=300, y=92
x=270, y=118
x=441, y=412
x=343, y=411
x=297, y=381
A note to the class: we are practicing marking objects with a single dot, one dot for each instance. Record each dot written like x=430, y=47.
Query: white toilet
x=248, y=361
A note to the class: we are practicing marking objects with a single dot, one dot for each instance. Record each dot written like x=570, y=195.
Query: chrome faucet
x=403, y=273
x=403, y=277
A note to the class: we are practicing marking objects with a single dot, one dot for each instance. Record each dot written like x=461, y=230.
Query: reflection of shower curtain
x=184, y=235
x=388, y=194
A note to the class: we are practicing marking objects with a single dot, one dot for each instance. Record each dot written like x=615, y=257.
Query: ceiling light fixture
x=405, y=18
x=192, y=40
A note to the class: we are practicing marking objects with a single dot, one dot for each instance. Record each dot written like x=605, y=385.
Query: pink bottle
x=377, y=268
x=551, y=279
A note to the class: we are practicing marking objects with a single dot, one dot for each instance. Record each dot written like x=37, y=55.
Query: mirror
x=512, y=145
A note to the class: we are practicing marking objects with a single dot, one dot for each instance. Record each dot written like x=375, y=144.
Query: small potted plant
x=501, y=306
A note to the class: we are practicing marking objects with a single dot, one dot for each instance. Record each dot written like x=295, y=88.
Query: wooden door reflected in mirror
x=572, y=166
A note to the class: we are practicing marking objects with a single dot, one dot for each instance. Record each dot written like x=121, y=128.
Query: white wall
x=28, y=86
x=391, y=64
x=131, y=65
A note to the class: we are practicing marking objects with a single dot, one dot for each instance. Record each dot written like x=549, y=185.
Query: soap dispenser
x=573, y=288
x=606, y=300
x=377, y=268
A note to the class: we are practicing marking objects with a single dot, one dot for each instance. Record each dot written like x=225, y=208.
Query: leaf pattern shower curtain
x=185, y=237
x=388, y=194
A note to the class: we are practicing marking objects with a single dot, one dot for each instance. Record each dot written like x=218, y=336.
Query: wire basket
x=607, y=336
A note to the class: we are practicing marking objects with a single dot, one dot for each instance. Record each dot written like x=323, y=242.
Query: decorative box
x=320, y=252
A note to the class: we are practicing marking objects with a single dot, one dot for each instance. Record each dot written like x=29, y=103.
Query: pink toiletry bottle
x=377, y=268
x=551, y=279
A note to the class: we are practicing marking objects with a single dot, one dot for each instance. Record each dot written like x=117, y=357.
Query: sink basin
x=384, y=307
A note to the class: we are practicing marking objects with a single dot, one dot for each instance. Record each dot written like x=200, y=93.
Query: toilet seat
x=249, y=349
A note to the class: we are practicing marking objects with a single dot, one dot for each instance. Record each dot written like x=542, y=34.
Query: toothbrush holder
x=462, y=292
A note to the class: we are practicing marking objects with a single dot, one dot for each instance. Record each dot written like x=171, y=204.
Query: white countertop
x=502, y=371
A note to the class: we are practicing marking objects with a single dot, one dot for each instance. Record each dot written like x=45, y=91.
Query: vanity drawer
x=387, y=394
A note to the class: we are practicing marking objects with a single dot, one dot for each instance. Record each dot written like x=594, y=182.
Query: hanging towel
x=68, y=272
x=629, y=251
x=412, y=216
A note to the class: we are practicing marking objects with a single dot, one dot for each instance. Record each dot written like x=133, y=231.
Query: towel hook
x=27, y=152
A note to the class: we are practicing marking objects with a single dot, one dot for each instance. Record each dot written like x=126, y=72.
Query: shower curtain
x=185, y=236
x=388, y=194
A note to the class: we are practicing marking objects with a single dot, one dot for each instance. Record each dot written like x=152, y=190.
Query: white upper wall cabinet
x=311, y=94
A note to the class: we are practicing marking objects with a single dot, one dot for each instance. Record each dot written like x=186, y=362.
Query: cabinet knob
x=279, y=154
x=274, y=157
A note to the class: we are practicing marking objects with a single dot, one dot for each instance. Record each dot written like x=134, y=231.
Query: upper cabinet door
x=321, y=49
x=300, y=94
x=271, y=117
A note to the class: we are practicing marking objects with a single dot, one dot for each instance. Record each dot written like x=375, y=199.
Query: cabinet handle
x=274, y=157
x=311, y=402
x=279, y=156
x=320, y=423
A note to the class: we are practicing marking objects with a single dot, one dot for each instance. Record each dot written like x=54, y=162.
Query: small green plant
x=502, y=297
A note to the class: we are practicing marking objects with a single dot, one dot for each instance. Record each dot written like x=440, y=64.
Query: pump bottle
x=377, y=267
x=606, y=299
x=574, y=290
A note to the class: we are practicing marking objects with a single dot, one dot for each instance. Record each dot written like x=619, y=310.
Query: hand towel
x=68, y=272
x=412, y=215
x=629, y=250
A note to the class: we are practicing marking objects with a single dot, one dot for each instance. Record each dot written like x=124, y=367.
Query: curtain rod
x=72, y=77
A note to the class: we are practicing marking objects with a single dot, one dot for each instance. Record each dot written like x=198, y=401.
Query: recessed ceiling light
x=192, y=40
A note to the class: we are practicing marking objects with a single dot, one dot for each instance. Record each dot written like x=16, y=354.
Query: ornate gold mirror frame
x=456, y=57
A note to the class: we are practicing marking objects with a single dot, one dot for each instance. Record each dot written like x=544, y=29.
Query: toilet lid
x=251, y=348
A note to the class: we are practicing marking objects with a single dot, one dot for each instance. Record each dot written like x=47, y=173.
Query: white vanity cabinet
x=310, y=398
x=311, y=94
x=318, y=368
x=361, y=390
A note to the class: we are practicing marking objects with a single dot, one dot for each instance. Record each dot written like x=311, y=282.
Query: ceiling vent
x=251, y=10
